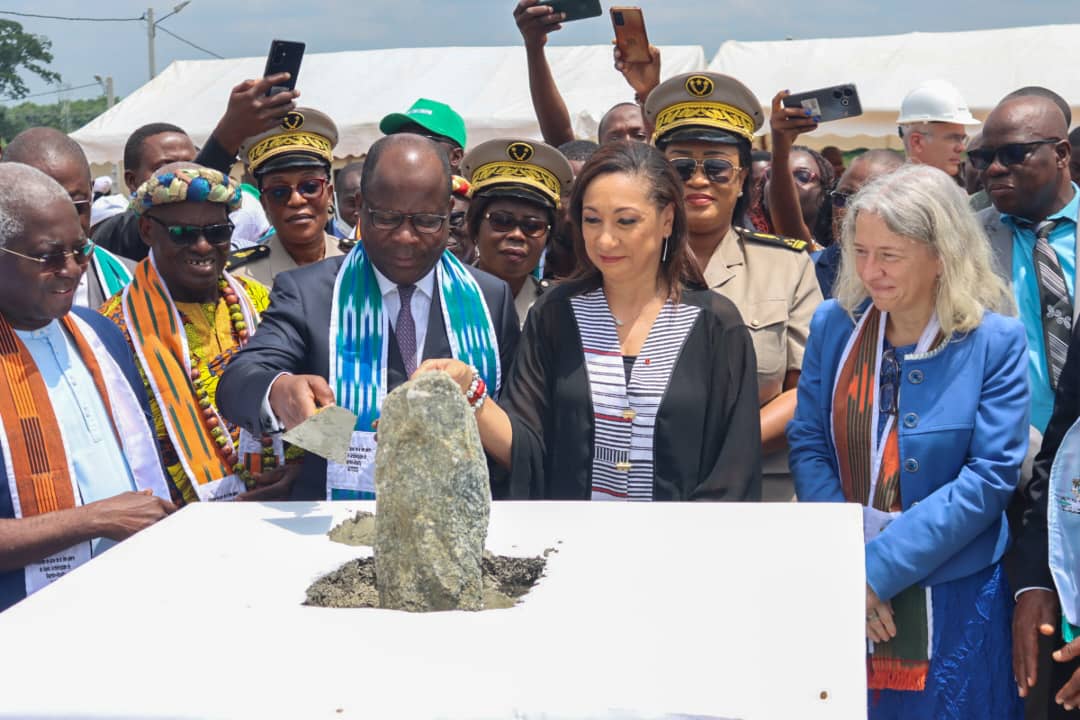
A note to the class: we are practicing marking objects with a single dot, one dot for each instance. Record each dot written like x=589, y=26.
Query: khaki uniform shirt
x=776, y=291
x=279, y=260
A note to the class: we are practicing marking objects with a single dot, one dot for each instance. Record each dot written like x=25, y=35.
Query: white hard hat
x=935, y=101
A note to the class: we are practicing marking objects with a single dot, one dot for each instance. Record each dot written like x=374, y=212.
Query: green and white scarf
x=111, y=273
x=359, y=333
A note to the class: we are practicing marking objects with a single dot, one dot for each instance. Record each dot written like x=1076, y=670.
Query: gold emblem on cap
x=700, y=85
x=293, y=121
x=519, y=151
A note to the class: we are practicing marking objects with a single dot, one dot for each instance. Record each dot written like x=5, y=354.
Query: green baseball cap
x=436, y=117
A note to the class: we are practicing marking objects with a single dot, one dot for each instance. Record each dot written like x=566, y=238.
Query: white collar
x=425, y=284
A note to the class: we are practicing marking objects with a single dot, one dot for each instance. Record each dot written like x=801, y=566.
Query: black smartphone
x=284, y=56
x=831, y=103
x=575, y=9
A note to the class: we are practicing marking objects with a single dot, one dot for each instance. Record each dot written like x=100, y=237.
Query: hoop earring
x=663, y=255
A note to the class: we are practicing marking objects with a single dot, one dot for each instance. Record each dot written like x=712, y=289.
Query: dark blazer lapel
x=436, y=343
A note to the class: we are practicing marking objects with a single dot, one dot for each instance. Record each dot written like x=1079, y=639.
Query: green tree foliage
x=14, y=120
x=20, y=49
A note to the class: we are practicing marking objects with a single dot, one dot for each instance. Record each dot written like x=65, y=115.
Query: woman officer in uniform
x=705, y=123
x=516, y=190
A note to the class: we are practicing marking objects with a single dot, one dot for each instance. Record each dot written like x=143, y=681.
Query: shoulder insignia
x=794, y=244
x=246, y=256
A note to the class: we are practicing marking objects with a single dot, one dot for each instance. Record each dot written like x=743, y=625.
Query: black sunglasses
x=1010, y=154
x=309, y=189
x=716, y=170
x=217, y=234
x=504, y=222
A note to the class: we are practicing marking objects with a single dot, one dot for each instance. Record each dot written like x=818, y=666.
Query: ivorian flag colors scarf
x=160, y=343
x=359, y=334
x=870, y=469
x=111, y=273
x=36, y=461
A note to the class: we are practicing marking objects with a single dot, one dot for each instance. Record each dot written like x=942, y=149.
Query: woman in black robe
x=631, y=381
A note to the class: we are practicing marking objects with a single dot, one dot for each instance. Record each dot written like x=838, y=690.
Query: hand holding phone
x=535, y=21
x=827, y=104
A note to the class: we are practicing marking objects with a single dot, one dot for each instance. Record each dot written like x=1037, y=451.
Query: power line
x=52, y=92
x=165, y=30
x=77, y=19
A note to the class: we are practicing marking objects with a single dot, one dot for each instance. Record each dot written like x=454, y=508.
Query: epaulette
x=246, y=256
x=775, y=240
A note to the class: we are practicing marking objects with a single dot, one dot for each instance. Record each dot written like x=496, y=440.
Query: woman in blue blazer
x=913, y=402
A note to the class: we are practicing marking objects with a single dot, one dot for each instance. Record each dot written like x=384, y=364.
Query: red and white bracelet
x=477, y=392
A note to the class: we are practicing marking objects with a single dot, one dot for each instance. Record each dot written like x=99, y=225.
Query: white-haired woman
x=913, y=402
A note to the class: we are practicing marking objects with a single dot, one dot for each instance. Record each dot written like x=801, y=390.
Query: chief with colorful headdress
x=185, y=318
x=516, y=187
x=705, y=123
x=291, y=167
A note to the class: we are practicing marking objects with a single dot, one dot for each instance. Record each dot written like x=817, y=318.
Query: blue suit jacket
x=12, y=583
x=963, y=418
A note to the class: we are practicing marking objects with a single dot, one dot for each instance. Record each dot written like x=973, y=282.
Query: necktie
x=1057, y=308
x=406, y=329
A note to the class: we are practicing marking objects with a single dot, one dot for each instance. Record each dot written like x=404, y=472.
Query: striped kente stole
x=157, y=335
x=870, y=468
x=625, y=415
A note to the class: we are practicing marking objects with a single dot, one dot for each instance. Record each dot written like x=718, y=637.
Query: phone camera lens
x=847, y=92
x=619, y=19
x=845, y=102
x=836, y=94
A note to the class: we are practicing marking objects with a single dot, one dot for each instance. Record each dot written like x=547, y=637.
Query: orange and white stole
x=160, y=343
x=869, y=466
x=36, y=461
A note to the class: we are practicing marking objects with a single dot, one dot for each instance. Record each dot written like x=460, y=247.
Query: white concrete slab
x=647, y=610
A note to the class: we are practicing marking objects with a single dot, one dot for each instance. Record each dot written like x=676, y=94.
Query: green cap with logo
x=436, y=117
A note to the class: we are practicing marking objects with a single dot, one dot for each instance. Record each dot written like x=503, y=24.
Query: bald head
x=395, y=158
x=1030, y=116
x=58, y=156
x=22, y=188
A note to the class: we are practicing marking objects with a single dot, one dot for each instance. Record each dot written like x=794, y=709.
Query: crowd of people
x=664, y=313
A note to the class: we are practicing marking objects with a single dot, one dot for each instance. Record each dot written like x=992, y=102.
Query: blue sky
x=245, y=27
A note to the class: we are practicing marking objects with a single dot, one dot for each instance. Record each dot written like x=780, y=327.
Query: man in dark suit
x=1037, y=605
x=281, y=376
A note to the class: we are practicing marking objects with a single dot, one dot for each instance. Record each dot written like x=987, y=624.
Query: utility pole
x=150, y=27
x=106, y=84
x=151, y=32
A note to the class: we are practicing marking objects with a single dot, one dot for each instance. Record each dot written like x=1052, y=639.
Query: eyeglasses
x=890, y=381
x=457, y=219
x=426, y=223
x=839, y=198
x=504, y=222
x=804, y=176
x=217, y=234
x=1010, y=154
x=309, y=189
x=716, y=170
x=56, y=261
x=81, y=206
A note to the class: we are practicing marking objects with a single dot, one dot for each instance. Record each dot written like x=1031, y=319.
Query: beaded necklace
x=205, y=372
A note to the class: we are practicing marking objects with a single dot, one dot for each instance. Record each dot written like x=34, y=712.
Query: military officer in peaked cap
x=291, y=166
x=705, y=124
x=516, y=191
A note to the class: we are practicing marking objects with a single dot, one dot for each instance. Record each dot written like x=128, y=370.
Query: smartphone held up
x=630, y=36
x=575, y=9
x=827, y=104
x=284, y=56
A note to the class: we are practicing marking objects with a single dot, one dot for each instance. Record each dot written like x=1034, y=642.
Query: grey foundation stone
x=433, y=499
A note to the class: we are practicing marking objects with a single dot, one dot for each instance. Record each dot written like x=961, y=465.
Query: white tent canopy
x=489, y=86
x=984, y=65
